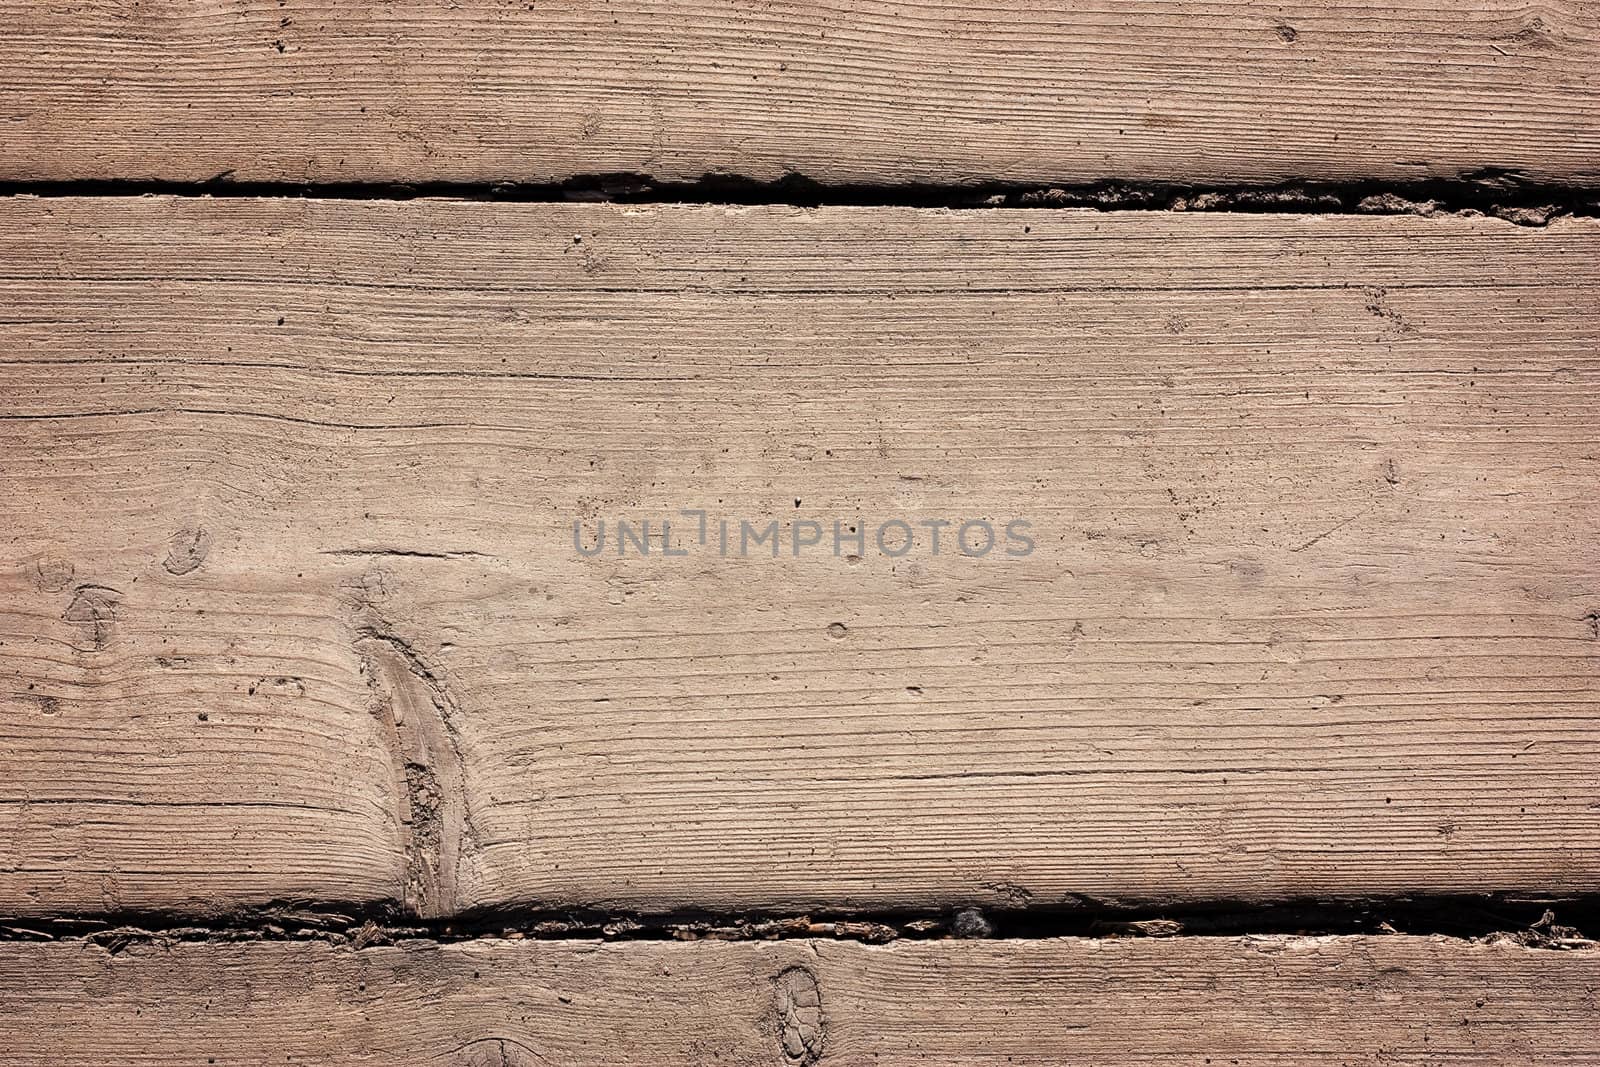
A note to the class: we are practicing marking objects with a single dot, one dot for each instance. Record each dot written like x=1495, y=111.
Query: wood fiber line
x=861, y=91
x=289, y=604
x=1334, y=1002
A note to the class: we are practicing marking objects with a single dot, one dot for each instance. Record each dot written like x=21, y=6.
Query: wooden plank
x=1303, y=1001
x=174, y=763
x=1213, y=91
x=1312, y=610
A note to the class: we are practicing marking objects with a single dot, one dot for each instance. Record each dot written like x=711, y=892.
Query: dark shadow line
x=1493, y=192
x=1554, y=921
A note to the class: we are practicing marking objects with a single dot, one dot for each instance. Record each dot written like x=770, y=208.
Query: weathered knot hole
x=802, y=1030
x=187, y=550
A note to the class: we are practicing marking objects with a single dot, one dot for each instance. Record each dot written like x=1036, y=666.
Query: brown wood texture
x=1336, y=1002
x=291, y=607
x=841, y=90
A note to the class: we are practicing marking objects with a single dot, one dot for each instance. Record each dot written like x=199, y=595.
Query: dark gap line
x=1549, y=922
x=1494, y=192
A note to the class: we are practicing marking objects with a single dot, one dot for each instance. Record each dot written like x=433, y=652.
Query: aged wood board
x=1334, y=1002
x=852, y=91
x=292, y=607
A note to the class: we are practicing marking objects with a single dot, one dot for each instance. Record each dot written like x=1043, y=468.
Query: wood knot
x=801, y=1027
x=187, y=550
x=94, y=609
x=497, y=1052
x=52, y=574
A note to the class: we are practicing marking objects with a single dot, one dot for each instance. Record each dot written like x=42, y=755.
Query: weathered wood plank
x=1330, y=1001
x=1311, y=610
x=843, y=91
x=171, y=762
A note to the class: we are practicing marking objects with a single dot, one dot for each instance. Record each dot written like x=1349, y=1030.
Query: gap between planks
x=1547, y=923
x=1489, y=192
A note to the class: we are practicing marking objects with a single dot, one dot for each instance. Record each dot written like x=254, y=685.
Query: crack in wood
x=417, y=713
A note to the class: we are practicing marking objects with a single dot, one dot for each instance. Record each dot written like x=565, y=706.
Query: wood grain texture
x=839, y=90
x=289, y=488
x=1337, y=1002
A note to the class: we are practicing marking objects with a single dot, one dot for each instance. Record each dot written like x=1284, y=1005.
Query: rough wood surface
x=1328, y=1001
x=291, y=607
x=841, y=90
